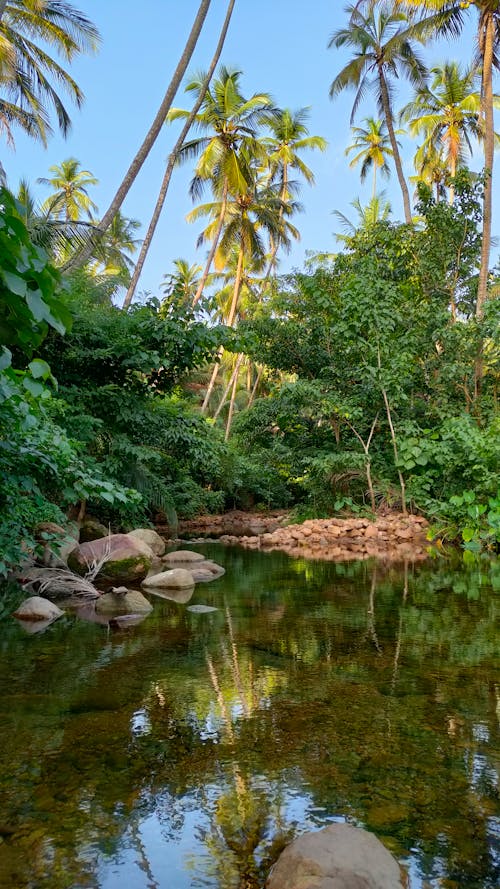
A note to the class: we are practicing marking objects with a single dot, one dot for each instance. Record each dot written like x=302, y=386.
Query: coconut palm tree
x=114, y=249
x=431, y=168
x=172, y=158
x=180, y=286
x=447, y=114
x=56, y=236
x=230, y=122
x=383, y=40
x=373, y=147
x=30, y=77
x=70, y=198
x=378, y=209
x=454, y=14
x=81, y=257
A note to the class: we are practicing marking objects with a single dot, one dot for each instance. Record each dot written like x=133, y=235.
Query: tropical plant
x=70, y=198
x=383, y=43
x=30, y=78
x=373, y=148
x=447, y=114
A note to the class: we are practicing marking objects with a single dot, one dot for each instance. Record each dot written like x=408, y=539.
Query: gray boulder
x=338, y=857
x=119, y=557
x=206, y=571
x=183, y=556
x=130, y=602
x=150, y=538
x=179, y=596
x=37, y=608
x=174, y=579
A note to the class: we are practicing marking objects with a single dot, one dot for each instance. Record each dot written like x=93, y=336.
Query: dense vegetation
x=369, y=378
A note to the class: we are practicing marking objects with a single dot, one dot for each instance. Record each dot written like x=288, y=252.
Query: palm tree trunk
x=255, y=386
x=231, y=408
x=386, y=104
x=489, y=144
x=172, y=159
x=453, y=170
x=215, y=243
x=230, y=321
x=374, y=192
x=82, y=256
x=3, y=4
x=230, y=383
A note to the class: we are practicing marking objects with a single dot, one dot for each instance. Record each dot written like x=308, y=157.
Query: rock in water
x=150, y=538
x=201, y=609
x=37, y=608
x=130, y=602
x=338, y=857
x=175, y=579
x=182, y=556
x=119, y=557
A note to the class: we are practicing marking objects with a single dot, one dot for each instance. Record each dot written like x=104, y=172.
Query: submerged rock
x=175, y=579
x=206, y=571
x=338, y=857
x=37, y=608
x=179, y=596
x=201, y=609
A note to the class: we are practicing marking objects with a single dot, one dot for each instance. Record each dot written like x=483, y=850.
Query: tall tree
x=383, y=40
x=230, y=122
x=70, y=198
x=81, y=257
x=373, y=147
x=30, y=77
x=172, y=158
x=452, y=21
x=447, y=114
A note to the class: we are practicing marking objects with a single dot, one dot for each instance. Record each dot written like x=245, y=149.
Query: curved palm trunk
x=151, y=137
x=229, y=422
x=487, y=92
x=172, y=159
x=386, y=104
x=215, y=244
x=230, y=383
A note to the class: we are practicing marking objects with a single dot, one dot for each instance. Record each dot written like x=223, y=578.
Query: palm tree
x=289, y=136
x=172, y=158
x=383, y=41
x=56, y=236
x=81, y=257
x=70, y=198
x=114, y=249
x=452, y=21
x=431, y=168
x=230, y=122
x=373, y=147
x=377, y=210
x=30, y=78
x=181, y=285
x=447, y=114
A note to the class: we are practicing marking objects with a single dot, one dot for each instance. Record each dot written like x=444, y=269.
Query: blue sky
x=279, y=45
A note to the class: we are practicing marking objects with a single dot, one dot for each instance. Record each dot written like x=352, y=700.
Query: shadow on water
x=187, y=750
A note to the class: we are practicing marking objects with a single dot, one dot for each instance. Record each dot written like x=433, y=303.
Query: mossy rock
x=124, y=559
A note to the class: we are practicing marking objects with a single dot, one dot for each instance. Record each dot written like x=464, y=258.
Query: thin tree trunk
x=230, y=383
x=82, y=256
x=374, y=192
x=213, y=378
x=215, y=243
x=394, y=145
x=230, y=321
x=231, y=408
x=172, y=159
x=3, y=4
x=255, y=385
x=489, y=144
x=453, y=170
x=395, y=449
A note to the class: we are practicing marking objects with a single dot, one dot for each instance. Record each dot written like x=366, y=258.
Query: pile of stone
x=236, y=523
x=393, y=537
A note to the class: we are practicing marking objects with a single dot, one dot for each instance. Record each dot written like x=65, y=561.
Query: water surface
x=185, y=751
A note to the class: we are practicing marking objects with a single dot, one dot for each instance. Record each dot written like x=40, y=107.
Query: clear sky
x=281, y=48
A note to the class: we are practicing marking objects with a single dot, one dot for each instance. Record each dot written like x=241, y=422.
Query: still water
x=185, y=751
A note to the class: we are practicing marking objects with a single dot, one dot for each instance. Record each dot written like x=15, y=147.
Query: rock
x=201, y=609
x=37, y=608
x=91, y=529
x=150, y=538
x=183, y=556
x=174, y=579
x=132, y=602
x=206, y=571
x=124, y=559
x=337, y=857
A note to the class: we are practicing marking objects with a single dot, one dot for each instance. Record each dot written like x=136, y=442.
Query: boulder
x=124, y=559
x=179, y=596
x=92, y=529
x=174, y=579
x=37, y=608
x=338, y=857
x=130, y=602
x=183, y=556
x=150, y=538
x=206, y=571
